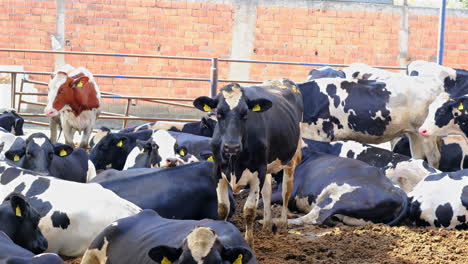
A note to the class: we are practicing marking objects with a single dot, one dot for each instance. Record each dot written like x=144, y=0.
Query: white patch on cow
x=332, y=191
x=431, y=69
x=166, y=144
x=431, y=194
x=99, y=135
x=131, y=158
x=407, y=174
x=166, y=125
x=192, y=159
x=96, y=255
x=91, y=173
x=375, y=73
x=302, y=204
x=232, y=97
x=356, y=147
x=200, y=242
x=80, y=122
x=244, y=179
x=7, y=139
x=275, y=166
x=222, y=194
x=95, y=210
x=39, y=141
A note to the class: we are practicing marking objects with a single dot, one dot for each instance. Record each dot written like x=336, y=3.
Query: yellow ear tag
x=210, y=158
x=63, y=153
x=238, y=260
x=166, y=261
x=16, y=158
x=206, y=108
x=460, y=106
x=256, y=108
x=182, y=152
x=18, y=211
x=120, y=144
x=143, y=151
x=80, y=84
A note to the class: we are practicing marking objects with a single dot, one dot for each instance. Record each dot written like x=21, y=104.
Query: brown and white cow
x=75, y=97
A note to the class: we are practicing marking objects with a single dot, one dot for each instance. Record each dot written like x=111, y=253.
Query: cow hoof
x=282, y=224
x=267, y=227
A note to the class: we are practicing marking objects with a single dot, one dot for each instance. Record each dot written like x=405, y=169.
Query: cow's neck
x=84, y=98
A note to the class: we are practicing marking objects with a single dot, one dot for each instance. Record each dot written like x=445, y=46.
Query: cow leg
x=53, y=125
x=250, y=208
x=266, y=196
x=68, y=133
x=223, y=198
x=432, y=151
x=416, y=146
x=85, y=137
x=288, y=180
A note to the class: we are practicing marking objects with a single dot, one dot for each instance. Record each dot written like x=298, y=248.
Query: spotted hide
x=257, y=134
x=370, y=111
x=160, y=240
x=400, y=169
x=441, y=200
x=68, y=224
x=329, y=189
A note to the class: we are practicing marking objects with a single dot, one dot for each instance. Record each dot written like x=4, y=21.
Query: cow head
x=446, y=116
x=233, y=109
x=112, y=149
x=104, y=131
x=201, y=246
x=207, y=126
x=36, y=153
x=168, y=152
x=15, y=122
x=20, y=222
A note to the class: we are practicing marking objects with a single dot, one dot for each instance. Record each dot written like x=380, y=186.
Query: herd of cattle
x=163, y=192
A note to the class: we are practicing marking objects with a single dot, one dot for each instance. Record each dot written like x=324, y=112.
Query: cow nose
x=49, y=112
x=423, y=132
x=171, y=162
x=40, y=246
x=231, y=148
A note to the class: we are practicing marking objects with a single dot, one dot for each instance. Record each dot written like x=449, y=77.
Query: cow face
x=166, y=152
x=36, y=153
x=20, y=222
x=207, y=126
x=233, y=109
x=108, y=150
x=104, y=131
x=201, y=246
x=446, y=116
x=12, y=122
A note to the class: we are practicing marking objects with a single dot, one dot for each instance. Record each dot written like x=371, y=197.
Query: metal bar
x=36, y=123
x=169, y=103
x=13, y=89
x=20, y=96
x=214, y=77
x=440, y=47
x=106, y=54
x=34, y=82
x=128, y=118
x=127, y=109
x=237, y=81
x=117, y=96
x=33, y=103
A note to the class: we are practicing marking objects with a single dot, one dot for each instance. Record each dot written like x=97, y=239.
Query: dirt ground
x=369, y=244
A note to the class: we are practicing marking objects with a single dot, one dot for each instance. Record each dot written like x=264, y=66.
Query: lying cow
x=68, y=224
x=330, y=188
x=325, y=72
x=20, y=238
x=370, y=111
x=38, y=153
x=204, y=127
x=75, y=96
x=257, y=134
x=159, y=240
x=113, y=148
x=400, y=169
x=184, y=192
x=12, y=122
x=441, y=200
x=167, y=149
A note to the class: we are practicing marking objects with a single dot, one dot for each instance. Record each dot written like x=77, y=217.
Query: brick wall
x=204, y=29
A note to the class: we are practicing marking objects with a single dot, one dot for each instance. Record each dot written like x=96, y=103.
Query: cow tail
x=404, y=209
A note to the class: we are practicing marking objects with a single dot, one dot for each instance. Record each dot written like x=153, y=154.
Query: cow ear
x=259, y=105
x=165, y=254
x=205, y=104
x=80, y=81
x=143, y=145
x=19, y=205
x=237, y=255
x=14, y=155
x=63, y=150
x=121, y=141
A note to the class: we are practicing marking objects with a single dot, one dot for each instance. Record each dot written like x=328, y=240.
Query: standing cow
x=75, y=97
x=257, y=134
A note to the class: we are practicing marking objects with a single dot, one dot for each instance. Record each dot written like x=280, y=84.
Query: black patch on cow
x=461, y=218
x=429, y=168
x=9, y=174
x=457, y=176
x=331, y=91
x=444, y=114
x=414, y=73
x=364, y=101
x=350, y=154
x=325, y=202
x=60, y=219
x=415, y=214
x=444, y=214
x=464, y=197
x=463, y=225
x=355, y=74
x=42, y=207
x=38, y=187
x=19, y=188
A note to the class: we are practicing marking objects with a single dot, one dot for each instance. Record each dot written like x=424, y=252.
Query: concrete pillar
x=404, y=35
x=58, y=41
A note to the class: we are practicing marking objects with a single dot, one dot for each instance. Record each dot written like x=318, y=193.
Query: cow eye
x=243, y=116
x=219, y=115
x=51, y=155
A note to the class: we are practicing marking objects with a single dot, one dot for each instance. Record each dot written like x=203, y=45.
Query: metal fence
x=213, y=80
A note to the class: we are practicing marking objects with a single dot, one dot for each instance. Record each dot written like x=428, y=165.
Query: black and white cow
x=160, y=240
x=12, y=122
x=183, y=192
x=441, y=200
x=167, y=149
x=325, y=72
x=112, y=149
x=68, y=224
x=8, y=140
x=102, y=132
x=38, y=153
x=453, y=149
x=366, y=72
x=400, y=169
x=204, y=127
x=370, y=111
x=257, y=134
x=330, y=188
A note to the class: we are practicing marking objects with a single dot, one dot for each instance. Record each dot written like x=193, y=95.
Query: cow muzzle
x=423, y=132
x=50, y=112
x=231, y=149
